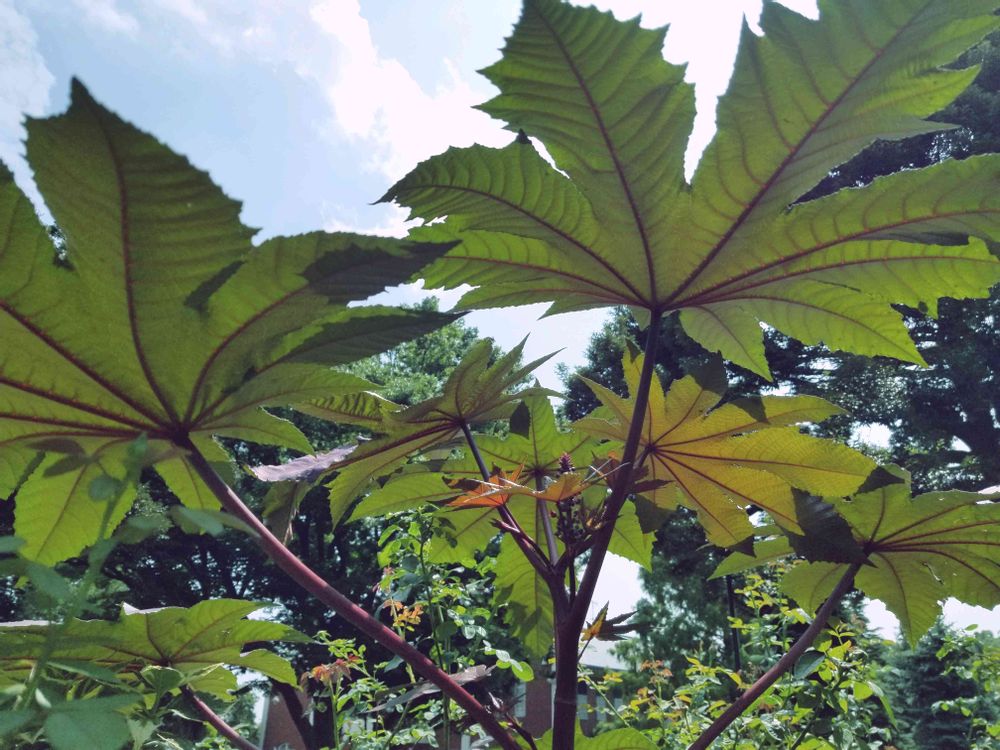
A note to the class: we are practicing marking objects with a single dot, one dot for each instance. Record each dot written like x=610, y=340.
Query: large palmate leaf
x=197, y=642
x=161, y=318
x=919, y=551
x=538, y=451
x=476, y=391
x=613, y=222
x=719, y=461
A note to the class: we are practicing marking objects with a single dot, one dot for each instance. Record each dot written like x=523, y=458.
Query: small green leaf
x=48, y=581
x=764, y=551
x=629, y=541
x=105, y=488
x=808, y=663
x=11, y=721
x=93, y=729
x=403, y=493
x=162, y=679
x=9, y=545
x=137, y=529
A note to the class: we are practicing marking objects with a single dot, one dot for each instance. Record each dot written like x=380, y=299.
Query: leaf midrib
x=127, y=263
x=612, y=152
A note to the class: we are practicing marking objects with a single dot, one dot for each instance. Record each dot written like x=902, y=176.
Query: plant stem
x=218, y=722
x=786, y=662
x=545, y=524
x=334, y=699
x=433, y=621
x=734, y=633
x=569, y=628
x=307, y=578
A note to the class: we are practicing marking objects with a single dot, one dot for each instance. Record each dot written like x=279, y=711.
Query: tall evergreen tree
x=919, y=678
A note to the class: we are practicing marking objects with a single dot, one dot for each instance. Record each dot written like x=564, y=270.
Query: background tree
x=918, y=678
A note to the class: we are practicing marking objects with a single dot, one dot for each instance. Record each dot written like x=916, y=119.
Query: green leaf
x=475, y=392
x=404, y=492
x=281, y=504
x=718, y=461
x=529, y=612
x=100, y=730
x=538, y=451
x=920, y=551
x=764, y=551
x=808, y=663
x=166, y=321
x=629, y=541
x=213, y=522
x=47, y=581
x=105, y=488
x=11, y=721
x=613, y=221
x=10, y=544
x=616, y=739
x=468, y=531
x=211, y=634
x=139, y=528
x=162, y=679
x=825, y=534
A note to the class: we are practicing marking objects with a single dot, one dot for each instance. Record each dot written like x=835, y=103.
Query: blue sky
x=308, y=110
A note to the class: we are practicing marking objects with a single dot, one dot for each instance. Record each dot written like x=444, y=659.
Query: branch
x=217, y=721
x=615, y=502
x=783, y=664
x=303, y=575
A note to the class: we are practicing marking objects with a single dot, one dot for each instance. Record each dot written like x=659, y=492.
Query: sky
x=308, y=110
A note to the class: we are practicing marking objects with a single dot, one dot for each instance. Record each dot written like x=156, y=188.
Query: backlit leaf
x=164, y=320
x=475, y=392
x=718, y=461
x=919, y=551
x=212, y=633
x=614, y=222
x=529, y=613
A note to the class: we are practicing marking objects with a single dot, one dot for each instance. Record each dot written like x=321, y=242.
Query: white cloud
x=106, y=15
x=348, y=219
x=25, y=82
x=187, y=9
x=376, y=100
